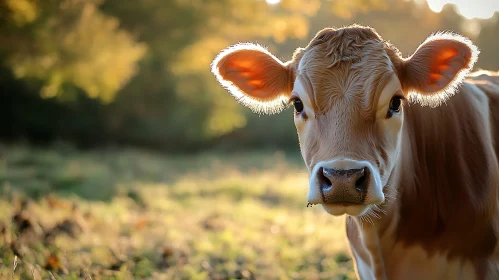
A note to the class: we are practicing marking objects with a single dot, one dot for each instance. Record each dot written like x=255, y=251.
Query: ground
x=128, y=214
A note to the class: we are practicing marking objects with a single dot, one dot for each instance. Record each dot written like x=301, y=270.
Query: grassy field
x=136, y=215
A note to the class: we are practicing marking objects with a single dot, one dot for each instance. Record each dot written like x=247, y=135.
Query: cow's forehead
x=357, y=72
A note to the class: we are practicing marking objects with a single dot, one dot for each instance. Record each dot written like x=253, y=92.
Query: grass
x=131, y=214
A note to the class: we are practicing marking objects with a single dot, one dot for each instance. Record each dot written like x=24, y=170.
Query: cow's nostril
x=324, y=182
x=361, y=183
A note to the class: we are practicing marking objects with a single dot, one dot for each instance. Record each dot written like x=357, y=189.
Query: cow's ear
x=256, y=78
x=439, y=65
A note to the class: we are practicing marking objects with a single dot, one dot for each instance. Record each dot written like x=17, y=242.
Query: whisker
x=389, y=199
x=369, y=220
x=373, y=213
x=393, y=196
x=378, y=208
x=391, y=190
x=361, y=222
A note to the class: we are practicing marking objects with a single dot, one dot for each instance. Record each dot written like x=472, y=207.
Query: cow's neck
x=446, y=181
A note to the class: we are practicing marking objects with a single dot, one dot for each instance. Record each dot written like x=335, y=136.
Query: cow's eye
x=298, y=105
x=395, y=105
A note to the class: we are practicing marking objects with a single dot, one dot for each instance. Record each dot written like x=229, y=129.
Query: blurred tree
x=68, y=42
x=488, y=42
x=450, y=19
x=174, y=99
x=137, y=72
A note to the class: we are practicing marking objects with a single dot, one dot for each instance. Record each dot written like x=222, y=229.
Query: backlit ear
x=256, y=78
x=435, y=70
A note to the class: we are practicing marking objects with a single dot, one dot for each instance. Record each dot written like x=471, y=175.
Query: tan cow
x=405, y=147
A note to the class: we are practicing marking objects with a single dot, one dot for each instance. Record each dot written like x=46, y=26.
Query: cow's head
x=349, y=88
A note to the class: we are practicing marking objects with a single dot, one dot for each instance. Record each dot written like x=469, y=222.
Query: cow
x=404, y=147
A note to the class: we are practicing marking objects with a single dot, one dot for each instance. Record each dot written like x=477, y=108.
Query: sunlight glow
x=273, y=2
x=468, y=8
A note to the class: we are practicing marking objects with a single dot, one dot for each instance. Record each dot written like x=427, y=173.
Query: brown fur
x=454, y=172
x=352, y=88
x=449, y=194
x=344, y=54
x=443, y=183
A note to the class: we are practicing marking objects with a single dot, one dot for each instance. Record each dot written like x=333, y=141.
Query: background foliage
x=109, y=72
x=104, y=74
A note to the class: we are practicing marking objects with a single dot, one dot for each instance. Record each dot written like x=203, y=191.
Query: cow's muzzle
x=345, y=186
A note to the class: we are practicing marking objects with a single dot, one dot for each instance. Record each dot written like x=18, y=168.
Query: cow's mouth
x=343, y=204
x=343, y=208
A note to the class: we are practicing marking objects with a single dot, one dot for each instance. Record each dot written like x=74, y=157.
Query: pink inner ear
x=255, y=73
x=441, y=66
x=243, y=73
